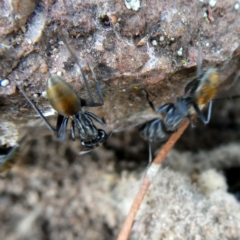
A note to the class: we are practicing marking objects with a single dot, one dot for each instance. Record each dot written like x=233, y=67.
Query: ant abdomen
x=62, y=97
x=208, y=86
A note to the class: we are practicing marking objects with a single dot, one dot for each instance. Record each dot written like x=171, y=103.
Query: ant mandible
x=68, y=105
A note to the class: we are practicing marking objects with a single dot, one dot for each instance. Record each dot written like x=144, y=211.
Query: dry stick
x=127, y=226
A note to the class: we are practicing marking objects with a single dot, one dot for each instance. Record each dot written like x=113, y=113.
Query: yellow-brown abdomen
x=208, y=88
x=62, y=97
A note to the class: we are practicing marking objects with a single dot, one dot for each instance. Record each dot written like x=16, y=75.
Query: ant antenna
x=79, y=65
x=199, y=60
x=97, y=85
x=127, y=128
x=171, y=89
x=149, y=101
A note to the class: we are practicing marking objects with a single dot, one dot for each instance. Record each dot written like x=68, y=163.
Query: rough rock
x=153, y=47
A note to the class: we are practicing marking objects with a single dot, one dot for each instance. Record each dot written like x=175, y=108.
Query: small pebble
x=154, y=43
x=236, y=6
x=161, y=38
x=4, y=82
x=44, y=94
x=212, y=3
x=179, y=52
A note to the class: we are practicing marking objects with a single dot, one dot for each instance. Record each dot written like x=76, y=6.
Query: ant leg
x=149, y=158
x=91, y=103
x=59, y=122
x=209, y=110
x=86, y=150
x=62, y=130
x=200, y=114
x=87, y=103
x=149, y=101
x=99, y=120
x=81, y=71
x=165, y=107
x=199, y=60
x=191, y=121
x=97, y=86
x=72, y=129
x=150, y=153
x=38, y=111
x=109, y=135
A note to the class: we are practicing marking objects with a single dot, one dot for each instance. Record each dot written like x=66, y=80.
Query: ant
x=199, y=91
x=68, y=105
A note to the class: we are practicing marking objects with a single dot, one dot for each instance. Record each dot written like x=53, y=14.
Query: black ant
x=198, y=92
x=68, y=105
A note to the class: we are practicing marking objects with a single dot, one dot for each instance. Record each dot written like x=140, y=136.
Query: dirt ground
x=57, y=194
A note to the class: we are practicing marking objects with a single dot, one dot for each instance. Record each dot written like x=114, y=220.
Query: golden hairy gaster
x=62, y=97
x=207, y=87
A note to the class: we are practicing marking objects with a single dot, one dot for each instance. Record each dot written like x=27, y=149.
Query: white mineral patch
x=36, y=28
x=44, y=94
x=179, y=52
x=154, y=43
x=212, y=3
x=161, y=38
x=4, y=82
x=236, y=6
x=132, y=4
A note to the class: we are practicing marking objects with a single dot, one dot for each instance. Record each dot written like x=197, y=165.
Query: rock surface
x=154, y=47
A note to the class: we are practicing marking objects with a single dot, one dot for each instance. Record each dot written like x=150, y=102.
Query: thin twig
x=153, y=169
